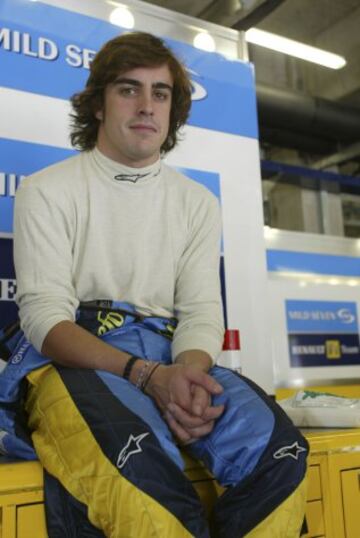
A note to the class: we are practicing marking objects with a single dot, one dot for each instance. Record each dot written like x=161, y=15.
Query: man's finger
x=201, y=431
x=180, y=433
x=199, y=377
x=201, y=400
x=213, y=412
x=183, y=417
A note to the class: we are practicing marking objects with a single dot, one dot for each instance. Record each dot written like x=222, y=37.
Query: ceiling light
x=298, y=382
x=271, y=233
x=204, y=41
x=121, y=16
x=294, y=48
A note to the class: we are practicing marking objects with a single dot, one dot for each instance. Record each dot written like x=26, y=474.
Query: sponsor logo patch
x=132, y=447
x=18, y=357
x=290, y=451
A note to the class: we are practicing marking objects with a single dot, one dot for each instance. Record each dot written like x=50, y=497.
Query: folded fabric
x=321, y=409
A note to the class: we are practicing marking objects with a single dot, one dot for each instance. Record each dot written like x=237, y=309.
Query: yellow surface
x=21, y=485
x=315, y=518
x=348, y=391
x=330, y=440
x=314, y=484
x=31, y=521
x=350, y=481
x=336, y=453
x=8, y=522
x=31, y=477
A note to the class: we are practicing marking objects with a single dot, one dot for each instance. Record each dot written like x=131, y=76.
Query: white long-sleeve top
x=89, y=228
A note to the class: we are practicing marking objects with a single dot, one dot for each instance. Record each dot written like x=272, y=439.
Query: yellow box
x=315, y=518
x=21, y=500
x=350, y=481
x=314, y=483
x=30, y=521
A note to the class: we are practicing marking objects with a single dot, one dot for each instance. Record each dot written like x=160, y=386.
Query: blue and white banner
x=8, y=309
x=322, y=333
x=47, y=50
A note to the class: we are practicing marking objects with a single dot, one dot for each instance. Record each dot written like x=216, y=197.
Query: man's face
x=134, y=122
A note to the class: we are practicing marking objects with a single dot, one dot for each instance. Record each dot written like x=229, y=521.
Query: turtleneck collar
x=120, y=174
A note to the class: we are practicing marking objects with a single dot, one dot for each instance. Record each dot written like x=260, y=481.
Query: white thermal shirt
x=90, y=228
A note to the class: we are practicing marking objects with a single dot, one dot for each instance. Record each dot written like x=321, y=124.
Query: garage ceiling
x=332, y=25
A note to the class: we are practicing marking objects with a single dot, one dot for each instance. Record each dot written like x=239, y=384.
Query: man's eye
x=127, y=91
x=161, y=96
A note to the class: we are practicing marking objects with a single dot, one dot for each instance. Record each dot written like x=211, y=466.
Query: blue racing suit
x=111, y=459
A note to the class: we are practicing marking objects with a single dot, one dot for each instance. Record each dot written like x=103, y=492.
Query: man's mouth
x=143, y=127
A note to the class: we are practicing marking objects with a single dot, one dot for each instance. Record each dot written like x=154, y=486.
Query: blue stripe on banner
x=6, y=213
x=210, y=180
x=47, y=50
x=306, y=262
x=25, y=158
x=19, y=159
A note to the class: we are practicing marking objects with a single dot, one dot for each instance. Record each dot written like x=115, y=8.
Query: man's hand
x=189, y=427
x=183, y=394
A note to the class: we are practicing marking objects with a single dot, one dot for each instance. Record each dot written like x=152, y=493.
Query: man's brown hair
x=121, y=54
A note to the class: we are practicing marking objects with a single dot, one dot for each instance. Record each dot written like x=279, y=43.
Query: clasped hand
x=183, y=394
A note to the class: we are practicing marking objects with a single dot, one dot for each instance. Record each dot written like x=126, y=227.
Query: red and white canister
x=230, y=357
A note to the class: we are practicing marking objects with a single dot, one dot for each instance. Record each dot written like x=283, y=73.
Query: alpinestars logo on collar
x=132, y=447
x=291, y=451
x=133, y=178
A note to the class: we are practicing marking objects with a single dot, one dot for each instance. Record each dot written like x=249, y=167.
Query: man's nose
x=146, y=104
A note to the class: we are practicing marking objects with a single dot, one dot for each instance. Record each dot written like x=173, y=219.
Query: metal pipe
x=301, y=113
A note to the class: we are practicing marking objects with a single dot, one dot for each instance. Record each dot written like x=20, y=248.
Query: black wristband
x=130, y=363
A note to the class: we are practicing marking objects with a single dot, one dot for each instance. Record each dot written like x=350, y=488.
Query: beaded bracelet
x=144, y=374
x=156, y=365
x=129, y=365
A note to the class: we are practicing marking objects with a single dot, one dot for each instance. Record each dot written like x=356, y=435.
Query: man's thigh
x=251, y=426
x=106, y=443
x=256, y=451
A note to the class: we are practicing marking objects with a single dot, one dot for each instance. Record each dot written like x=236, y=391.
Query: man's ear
x=99, y=115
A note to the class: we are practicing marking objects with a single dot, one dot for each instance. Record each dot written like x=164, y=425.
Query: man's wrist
x=142, y=372
x=135, y=371
x=195, y=357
